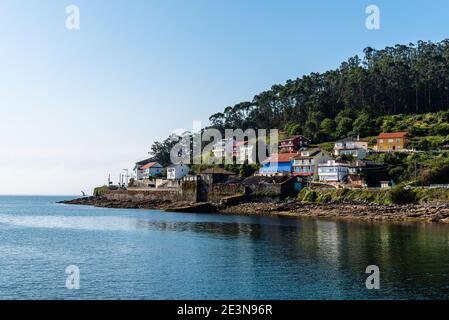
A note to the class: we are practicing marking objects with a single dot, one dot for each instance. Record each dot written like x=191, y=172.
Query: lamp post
x=127, y=177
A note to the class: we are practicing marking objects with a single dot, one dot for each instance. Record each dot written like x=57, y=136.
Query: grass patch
x=395, y=195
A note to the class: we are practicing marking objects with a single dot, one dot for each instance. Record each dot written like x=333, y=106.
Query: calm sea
x=149, y=254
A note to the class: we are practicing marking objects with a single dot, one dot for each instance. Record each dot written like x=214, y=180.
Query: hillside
x=404, y=79
x=400, y=88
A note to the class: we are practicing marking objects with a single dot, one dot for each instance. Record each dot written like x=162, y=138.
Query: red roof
x=303, y=174
x=150, y=165
x=387, y=135
x=295, y=137
x=281, y=157
x=241, y=143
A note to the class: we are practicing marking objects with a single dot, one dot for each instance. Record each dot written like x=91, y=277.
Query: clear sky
x=78, y=105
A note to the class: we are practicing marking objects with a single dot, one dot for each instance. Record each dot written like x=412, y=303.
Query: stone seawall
x=142, y=199
x=186, y=194
x=218, y=191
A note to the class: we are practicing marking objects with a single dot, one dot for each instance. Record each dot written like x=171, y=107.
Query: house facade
x=151, y=169
x=223, y=147
x=394, y=141
x=305, y=164
x=177, y=171
x=293, y=144
x=333, y=172
x=245, y=151
x=278, y=164
x=351, y=147
x=138, y=171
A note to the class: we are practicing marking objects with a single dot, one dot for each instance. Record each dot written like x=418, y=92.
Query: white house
x=177, y=171
x=223, y=147
x=305, y=164
x=151, y=169
x=351, y=147
x=246, y=151
x=333, y=171
x=138, y=171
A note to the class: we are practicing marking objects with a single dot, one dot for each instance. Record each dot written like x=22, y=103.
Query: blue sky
x=78, y=105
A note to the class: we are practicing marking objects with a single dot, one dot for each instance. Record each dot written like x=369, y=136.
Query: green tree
x=344, y=126
x=160, y=151
x=328, y=127
x=363, y=125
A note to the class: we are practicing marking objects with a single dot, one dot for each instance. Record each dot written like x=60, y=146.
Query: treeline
x=404, y=79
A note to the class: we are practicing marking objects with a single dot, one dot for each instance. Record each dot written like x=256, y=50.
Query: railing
x=435, y=186
x=191, y=178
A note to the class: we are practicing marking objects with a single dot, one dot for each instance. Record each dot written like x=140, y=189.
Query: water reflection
x=413, y=258
x=150, y=254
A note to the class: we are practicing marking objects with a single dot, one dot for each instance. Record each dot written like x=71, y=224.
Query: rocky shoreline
x=103, y=202
x=346, y=210
x=343, y=210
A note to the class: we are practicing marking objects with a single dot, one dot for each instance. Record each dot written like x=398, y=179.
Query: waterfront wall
x=199, y=191
x=187, y=193
x=219, y=191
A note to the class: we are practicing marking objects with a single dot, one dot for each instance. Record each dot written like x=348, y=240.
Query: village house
x=305, y=164
x=386, y=184
x=224, y=147
x=363, y=173
x=177, y=171
x=333, y=172
x=151, y=169
x=245, y=151
x=138, y=171
x=293, y=144
x=278, y=164
x=394, y=141
x=353, y=147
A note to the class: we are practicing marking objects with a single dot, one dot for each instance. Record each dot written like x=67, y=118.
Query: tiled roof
x=352, y=139
x=151, y=165
x=312, y=152
x=387, y=135
x=217, y=171
x=144, y=162
x=281, y=157
x=296, y=137
x=335, y=163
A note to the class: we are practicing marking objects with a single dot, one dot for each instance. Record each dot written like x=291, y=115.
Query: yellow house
x=394, y=141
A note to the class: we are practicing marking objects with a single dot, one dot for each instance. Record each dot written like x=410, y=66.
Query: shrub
x=307, y=195
x=324, y=198
x=400, y=195
x=99, y=191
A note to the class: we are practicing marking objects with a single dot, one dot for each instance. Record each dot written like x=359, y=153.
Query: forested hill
x=403, y=79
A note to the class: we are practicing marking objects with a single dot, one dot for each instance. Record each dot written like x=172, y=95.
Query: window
x=390, y=140
x=381, y=141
